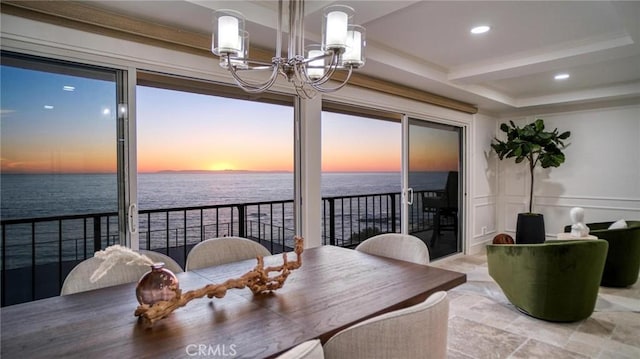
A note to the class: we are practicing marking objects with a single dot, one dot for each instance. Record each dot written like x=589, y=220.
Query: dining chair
x=419, y=332
x=311, y=349
x=395, y=245
x=216, y=251
x=78, y=279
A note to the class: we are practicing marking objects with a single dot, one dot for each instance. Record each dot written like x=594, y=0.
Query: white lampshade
x=239, y=59
x=228, y=25
x=356, y=43
x=335, y=22
x=315, y=68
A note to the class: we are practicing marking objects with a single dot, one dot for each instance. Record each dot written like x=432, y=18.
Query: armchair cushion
x=618, y=224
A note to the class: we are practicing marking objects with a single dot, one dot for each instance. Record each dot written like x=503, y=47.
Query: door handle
x=133, y=210
x=410, y=196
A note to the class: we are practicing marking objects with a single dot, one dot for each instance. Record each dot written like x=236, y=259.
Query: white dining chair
x=416, y=332
x=311, y=349
x=78, y=279
x=398, y=246
x=216, y=251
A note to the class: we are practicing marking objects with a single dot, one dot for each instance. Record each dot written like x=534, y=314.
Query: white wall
x=601, y=172
x=484, y=181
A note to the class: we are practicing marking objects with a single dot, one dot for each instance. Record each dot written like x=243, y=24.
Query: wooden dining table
x=334, y=289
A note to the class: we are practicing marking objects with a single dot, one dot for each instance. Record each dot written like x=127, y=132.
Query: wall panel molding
x=594, y=198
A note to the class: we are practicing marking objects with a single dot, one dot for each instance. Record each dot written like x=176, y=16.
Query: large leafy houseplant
x=533, y=144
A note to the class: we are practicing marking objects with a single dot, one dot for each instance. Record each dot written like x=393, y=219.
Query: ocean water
x=36, y=196
x=32, y=196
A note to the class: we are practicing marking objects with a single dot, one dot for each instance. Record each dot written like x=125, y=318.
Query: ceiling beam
x=540, y=60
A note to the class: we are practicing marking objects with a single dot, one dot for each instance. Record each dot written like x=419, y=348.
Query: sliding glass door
x=63, y=142
x=433, y=164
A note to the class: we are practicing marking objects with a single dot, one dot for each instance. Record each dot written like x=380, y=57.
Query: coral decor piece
x=257, y=280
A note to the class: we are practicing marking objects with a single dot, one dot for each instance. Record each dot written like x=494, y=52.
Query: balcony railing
x=38, y=253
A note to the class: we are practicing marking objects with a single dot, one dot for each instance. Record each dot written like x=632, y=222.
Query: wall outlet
x=484, y=230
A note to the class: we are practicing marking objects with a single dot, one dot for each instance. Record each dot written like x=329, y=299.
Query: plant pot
x=530, y=228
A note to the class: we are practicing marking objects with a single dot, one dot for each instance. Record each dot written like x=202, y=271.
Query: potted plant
x=537, y=147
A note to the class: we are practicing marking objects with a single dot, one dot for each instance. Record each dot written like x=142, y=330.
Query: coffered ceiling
x=427, y=45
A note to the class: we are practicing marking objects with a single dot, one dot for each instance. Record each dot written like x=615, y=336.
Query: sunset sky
x=47, y=127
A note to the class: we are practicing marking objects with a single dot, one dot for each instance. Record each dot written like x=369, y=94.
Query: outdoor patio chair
x=444, y=206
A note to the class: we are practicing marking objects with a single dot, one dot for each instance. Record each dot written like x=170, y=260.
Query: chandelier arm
x=254, y=87
x=300, y=29
x=333, y=66
x=258, y=65
x=296, y=29
x=279, y=31
x=319, y=88
x=302, y=74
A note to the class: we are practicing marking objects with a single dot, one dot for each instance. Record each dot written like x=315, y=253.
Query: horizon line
x=229, y=171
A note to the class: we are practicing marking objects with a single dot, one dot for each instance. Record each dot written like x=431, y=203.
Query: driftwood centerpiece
x=257, y=280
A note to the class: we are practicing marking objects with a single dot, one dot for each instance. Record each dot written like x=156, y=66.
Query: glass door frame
x=127, y=160
x=407, y=192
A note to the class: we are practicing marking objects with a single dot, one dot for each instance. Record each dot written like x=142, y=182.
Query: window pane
x=59, y=158
x=361, y=160
x=212, y=166
x=434, y=172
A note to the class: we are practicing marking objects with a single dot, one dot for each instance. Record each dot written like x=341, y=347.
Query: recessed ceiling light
x=68, y=88
x=480, y=29
x=561, y=76
x=48, y=107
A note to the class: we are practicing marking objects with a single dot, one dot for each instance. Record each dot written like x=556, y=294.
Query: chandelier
x=307, y=68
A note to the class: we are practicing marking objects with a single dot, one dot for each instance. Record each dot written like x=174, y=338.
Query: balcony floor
x=484, y=324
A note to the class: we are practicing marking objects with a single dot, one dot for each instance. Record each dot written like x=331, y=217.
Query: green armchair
x=555, y=281
x=622, y=266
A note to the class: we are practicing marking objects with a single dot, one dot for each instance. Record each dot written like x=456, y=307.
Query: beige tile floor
x=483, y=324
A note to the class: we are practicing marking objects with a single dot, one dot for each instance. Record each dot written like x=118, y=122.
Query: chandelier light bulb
x=354, y=53
x=315, y=69
x=336, y=29
x=228, y=30
x=229, y=26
